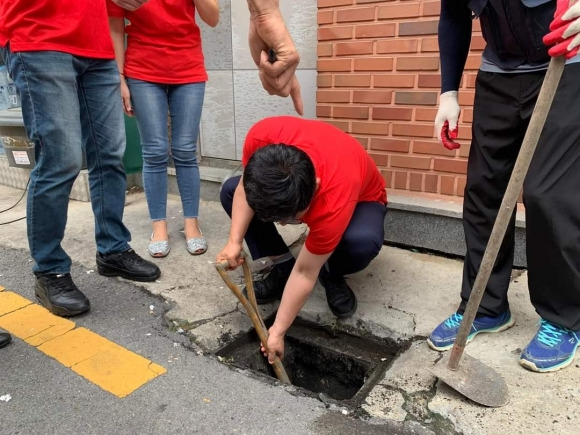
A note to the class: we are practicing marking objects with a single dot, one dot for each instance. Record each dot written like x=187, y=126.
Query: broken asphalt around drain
x=402, y=295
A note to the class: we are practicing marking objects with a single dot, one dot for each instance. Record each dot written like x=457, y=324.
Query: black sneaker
x=5, y=338
x=60, y=295
x=272, y=286
x=340, y=297
x=127, y=265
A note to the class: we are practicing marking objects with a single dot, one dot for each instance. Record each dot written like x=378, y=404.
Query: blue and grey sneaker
x=443, y=337
x=552, y=348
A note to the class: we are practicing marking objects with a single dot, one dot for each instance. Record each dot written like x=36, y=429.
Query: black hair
x=279, y=181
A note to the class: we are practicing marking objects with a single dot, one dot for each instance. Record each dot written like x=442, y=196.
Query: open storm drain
x=325, y=362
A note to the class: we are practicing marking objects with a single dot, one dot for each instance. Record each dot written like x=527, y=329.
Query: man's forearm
x=454, y=38
x=262, y=6
x=299, y=286
x=242, y=214
x=297, y=291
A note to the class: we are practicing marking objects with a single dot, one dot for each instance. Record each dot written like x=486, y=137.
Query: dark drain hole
x=319, y=360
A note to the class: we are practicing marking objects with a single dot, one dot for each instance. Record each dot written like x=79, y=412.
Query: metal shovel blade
x=474, y=380
x=264, y=263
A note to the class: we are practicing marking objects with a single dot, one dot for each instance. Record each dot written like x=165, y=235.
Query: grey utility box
x=18, y=148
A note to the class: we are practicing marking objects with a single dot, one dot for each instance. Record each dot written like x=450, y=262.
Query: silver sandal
x=158, y=249
x=197, y=245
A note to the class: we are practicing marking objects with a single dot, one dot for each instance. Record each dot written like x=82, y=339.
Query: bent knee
x=363, y=244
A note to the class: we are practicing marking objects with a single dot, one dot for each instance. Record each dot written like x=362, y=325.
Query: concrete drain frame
x=335, y=366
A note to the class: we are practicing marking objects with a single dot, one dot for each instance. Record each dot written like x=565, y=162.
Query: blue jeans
x=151, y=103
x=71, y=104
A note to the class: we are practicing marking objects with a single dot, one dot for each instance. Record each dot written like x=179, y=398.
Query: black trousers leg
x=502, y=110
x=552, y=199
x=262, y=238
x=361, y=241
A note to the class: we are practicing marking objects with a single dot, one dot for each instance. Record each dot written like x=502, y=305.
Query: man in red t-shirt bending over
x=305, y=171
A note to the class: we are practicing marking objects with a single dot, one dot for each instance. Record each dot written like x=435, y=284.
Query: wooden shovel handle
x=252, y=310
x=250, y=291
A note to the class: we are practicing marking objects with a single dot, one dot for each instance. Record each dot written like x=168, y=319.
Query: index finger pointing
x=296, y=96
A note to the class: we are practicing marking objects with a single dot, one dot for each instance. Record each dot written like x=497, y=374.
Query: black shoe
x=340, y=297
x=5, y=338
x=60, y=295
x=127, y=265
x=272, y=286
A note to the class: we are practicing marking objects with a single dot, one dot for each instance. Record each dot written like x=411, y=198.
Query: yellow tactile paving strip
x=104, y=363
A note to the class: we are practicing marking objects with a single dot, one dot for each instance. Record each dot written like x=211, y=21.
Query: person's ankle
x=191, y=228
x=159, y=231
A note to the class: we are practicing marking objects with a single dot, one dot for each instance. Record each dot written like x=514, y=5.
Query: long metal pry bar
x=251, y=307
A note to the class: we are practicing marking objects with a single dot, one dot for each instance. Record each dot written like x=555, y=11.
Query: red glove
x=448, y=136
x=564, y=36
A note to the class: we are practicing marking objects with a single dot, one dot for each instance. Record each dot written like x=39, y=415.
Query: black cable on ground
x=11, y=222
x=17, y=202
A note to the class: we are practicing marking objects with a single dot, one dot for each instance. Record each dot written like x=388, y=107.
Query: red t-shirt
x=347, y=173
x=163, y=42
x=78, y=27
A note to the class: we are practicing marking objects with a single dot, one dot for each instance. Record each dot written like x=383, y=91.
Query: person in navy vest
x=520, y=37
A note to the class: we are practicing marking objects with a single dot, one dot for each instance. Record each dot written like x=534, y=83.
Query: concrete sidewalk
x=403, y=295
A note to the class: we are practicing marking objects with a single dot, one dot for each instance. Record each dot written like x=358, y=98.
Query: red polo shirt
x=163, y=42
x=347, y=173
x=77, y=27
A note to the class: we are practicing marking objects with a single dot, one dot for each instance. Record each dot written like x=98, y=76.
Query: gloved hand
x=564, y=36
x=446, y=120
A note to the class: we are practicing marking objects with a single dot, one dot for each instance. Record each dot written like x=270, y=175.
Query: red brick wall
x=379, y=80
